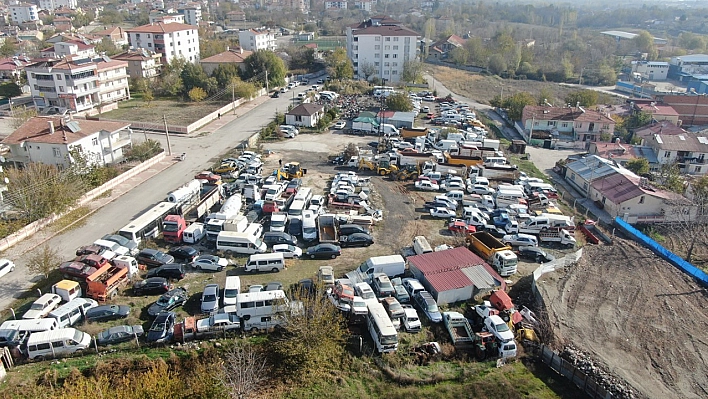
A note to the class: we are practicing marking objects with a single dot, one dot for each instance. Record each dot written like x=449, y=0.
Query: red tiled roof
x=623, y=186
x=311, y=45
x=135, y=56
x=108, y=31
x=36, y=130
x=546, y=113
x=307, y=109
x=451, y=259
x=658, y=109
x=455, y=268
x=229, y=56
x=665, y=128
x=112, y=64
x=8, y=64
x=160, y=27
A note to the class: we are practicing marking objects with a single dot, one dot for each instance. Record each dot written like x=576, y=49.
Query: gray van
x=72, y=312
x=273, y=262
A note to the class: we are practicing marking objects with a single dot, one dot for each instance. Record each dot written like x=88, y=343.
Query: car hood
x=32, y=314
x=153, y=336
x=154, y=309
x=138, y=330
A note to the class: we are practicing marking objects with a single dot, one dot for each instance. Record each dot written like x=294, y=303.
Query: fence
x=556, y=264
x=667, y=255
x=579, y=378
x=38, y=225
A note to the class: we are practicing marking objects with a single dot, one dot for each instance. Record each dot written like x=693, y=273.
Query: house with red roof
x=11, y=68
x=232, y=56
x=306, y=114
x=173, y=40
x=454, y=275
x=574, y=123
x=441, y=48
x=49, y=140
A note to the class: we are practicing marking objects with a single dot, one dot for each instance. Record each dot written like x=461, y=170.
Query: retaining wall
x=566, y=369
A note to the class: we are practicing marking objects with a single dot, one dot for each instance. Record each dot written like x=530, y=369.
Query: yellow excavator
x=382, y=167
x=289, y=171
x=407, y=172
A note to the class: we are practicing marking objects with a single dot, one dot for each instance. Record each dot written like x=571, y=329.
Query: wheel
x=247, y=317
x=382, y=172
x=334, y=256
x=198, y=267
x=229, y=252
x=39, y=358
x=275, y=270
x=220, y=268
x=312, y=256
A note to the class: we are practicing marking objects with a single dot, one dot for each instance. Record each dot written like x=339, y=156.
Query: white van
x=194, y=233
x=30, y=326
x=255, y=230
x=303, y=194
x=67, y=290
x=457, y=195
x=273, y=191
x=421, y=245
x=296, y=208
x=233, y=242
x=309, y=225
x=63, y=341
x=232, y=288
x=317, y=203
x=273, y=262
x=261, y=310
x=69, y=313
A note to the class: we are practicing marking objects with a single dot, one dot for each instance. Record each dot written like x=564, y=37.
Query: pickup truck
x=218, y=324
x=563, y=237
x=459, y=329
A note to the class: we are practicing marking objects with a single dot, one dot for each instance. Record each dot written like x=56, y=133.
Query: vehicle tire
x=39, y=358
x=312, y=256
x=247, y=317
x=114, y=294
x=334, y=256
x=382, y=173
x=221, y=268
x=229, y=252
x=198, y=267
x=275, y=270
x=254, y=330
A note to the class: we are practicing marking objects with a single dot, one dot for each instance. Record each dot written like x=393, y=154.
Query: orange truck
x=105, y=282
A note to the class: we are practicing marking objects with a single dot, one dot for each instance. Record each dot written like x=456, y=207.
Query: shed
x=401, y=119
x=454, y=275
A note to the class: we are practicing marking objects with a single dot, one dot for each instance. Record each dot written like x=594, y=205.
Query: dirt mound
x=638, y=315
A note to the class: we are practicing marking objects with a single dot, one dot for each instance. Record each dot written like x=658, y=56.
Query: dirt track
x=638, y=315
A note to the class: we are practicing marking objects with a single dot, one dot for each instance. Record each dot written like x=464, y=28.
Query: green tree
x=644, y=42
x=43, y=260
x=197, y=94
x=497, y=64
x=515, y=104
x=412, y=71
x=459, y=55
x=586, y=98
x=339, y=66
x=225, y=73
x=10, y=89
x=8, y=48
x=639, y=166
x=478, y=53
x=670, y=178
x=22, y=114
x=545, y=96
x=366, y=70
x=243, y=89
x=143, y=151
x=107, y=46
x=399, y=102
x=193, y=75
x=261, y=61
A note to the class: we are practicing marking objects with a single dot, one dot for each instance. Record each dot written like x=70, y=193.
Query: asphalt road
x=202, y=151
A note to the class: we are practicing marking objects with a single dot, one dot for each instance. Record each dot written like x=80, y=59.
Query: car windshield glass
x=158, y=326
x=169, y=226
x=367, y=294
x=502, y=327
x=308, y=230
x=37, y=306
x=389, y=339
x=277, y=223
x=209, y=298
x=432, y=307
x=385, y=285
x=78, y=336
x=164, y=300
x=230, y=293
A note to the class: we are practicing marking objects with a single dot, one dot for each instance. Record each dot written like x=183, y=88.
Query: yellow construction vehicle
x=383, y=167
x=408, y=172
x=289, y=171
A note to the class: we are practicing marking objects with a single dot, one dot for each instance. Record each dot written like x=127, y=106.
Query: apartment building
x=335, y=5
x=141, y=63
x=254, y=40
x=112, y=82
x=364, y=5
x=192, y=14
x=383, y=43
x=51, y=5
x=174, y=40
x=24, y=12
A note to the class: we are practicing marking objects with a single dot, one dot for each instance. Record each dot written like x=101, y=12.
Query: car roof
x=211, y=288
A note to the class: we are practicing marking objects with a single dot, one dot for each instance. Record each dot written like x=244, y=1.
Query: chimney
x=228, y=48
x=51, y=127
x=617, y=140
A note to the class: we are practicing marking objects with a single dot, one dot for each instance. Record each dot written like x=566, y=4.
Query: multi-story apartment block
x=51, y=5
x=172, y=41
x=383, y=43
x=335, y=5
x=112, y=82
x=165, y=18
x=141, y=63
x=254, y=40
x=192, y=14
x=364, y=5
x=24, y=12
x=69, y=48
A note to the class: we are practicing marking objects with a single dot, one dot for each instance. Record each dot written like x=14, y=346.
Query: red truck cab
x=172, y=228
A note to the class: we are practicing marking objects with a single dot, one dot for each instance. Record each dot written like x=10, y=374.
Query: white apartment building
x=141, y=63
x=165, y=18
x=24, y=12
x=192, y=14
x=386, y=47
x=254, y=40
x=64, y=84
x=51, y=5
x=651, y=70
x=330, y=5
x=363, y=5
x=112, y=82
x=173, y=40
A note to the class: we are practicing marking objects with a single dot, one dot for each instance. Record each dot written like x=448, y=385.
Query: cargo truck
x=327, y=228
x=494, y=252
x=188, y=209
x=237, y=223
x=391, y=265
x=215, y=221
x=459, y=329
x=104, y=283
x=562, y=236
x=413, y=132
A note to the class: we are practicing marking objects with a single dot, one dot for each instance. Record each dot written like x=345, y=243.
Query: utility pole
x=167, y=134
x=233, y=97
x=267, y=89
x=580, y=81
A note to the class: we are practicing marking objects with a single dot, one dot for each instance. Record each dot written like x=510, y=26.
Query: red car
x=430, y=115
x=76, y=270
x=460, y=227
x=208, y=176
x=96, y=261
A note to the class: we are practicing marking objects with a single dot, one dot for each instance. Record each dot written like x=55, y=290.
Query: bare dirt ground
x=636, y=314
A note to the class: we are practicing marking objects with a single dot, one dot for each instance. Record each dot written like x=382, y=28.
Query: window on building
x=137, y=35
x=94, y=141
x=388, y=39
x=698, y=169
x=376, y=55
x=395, y=56
x=376, y=64
x=378, y=38
x=606, y=126
x=395, y=39
x=385, y=72
x=57, y=152
x=148, y=35
x=551, y=123
x=564, y=124
x=578, y=125
x=394, y=72
x=386, y=55
x=535, y=123
x=61, y=88
x=667, y=154
x=641, y=199
x=395, y=47
x=149, y=44
x=377, y=47
x=58, y=76
x=395, y=64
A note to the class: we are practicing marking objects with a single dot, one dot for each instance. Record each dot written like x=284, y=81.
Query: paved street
x=149, y=187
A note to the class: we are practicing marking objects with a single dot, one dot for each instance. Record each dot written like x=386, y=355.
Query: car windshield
x=37, y=306
x=158, y=326
x=432, y=307
x=78, y=336
x=209, y=298
x=277, y=223
x=501, y=327
x=366, y=294
x=389, y=339
x=346, y=291
x=309, y=230
x=164, y=300
x=386, y=286
x=170, y=227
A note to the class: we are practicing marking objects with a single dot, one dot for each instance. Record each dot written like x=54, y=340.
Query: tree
x=107, y=46
x=261, y=61
x=399, y=102
x=243, y=371
x=640, y=166
x=339, y=66
x=143, y=151
x=545, y=96
x=459, y=55
x=193, y=75
x=366, y=70
x=225, y=73
x=644, y=42
x=669, y=177
x=243, y=89
x=8, y=48
x=10, y=89
x=197, y=94
x=497, y=64
x=412, y=71
x=585, y=98
x=43, y=260
x=22, y=114
x=515, y=104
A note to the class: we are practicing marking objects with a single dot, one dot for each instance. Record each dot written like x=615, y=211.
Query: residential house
x=112, y=82
x=24, y=12
x=658, y=112
x=623, y=153
x=383, y=43
x=73, y=48
x=650, y=70
x=66, y=12
x=11, y=68
x=631, y=198
x=575, y=123
x=234, y=56
x=580, y=174
x=62, y=24
x=165, y=18
x=115, y=34
x=235, y=18
x=673, y=144
x=173, y=40
x=254, y=40
x=141, y=63
x=51, y=5
x=335, y=5
x=307, y=114
x=442, y=47
x=49, y=140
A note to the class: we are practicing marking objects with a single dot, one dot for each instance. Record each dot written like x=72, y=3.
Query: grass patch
x=72, y=220
x=527, y=166
x=177, y=112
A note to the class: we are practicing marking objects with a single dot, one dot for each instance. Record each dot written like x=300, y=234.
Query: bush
x=197, y=94
x=143, y=151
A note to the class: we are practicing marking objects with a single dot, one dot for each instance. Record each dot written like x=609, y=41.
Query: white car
x=429, y=98
x=444, y=213
x=453, y=185
x=495, y=325
x=42, y=307
x=426, y=109
x=404, y=146
x=340, y=125
x=426, y=185
x=480, y=189
x=520, y=240
x=289, y=251
x=6, y=266
x=210, y=262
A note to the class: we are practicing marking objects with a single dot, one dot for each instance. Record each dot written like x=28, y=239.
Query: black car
x=168, y=301
x=274, y=237
x=339, y=161
x=107, y=312
x=295, y=227
x=275, y=94
x=293, y=186
x=151, y=286
x=170, y=271
x=303, y=288
x=323, y=251
x=356, y=240
x=184, y=254
x=273, y=286
x=162, y=328
x=153, y=258
x=118, y=334
x=348, y=229
x=535, y=253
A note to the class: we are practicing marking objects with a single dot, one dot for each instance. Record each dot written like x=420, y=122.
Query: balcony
x=123, y=140
x=691, y=160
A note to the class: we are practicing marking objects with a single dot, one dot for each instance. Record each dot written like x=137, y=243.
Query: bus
x=148, y=224
x=382, y=91
x=381, y=328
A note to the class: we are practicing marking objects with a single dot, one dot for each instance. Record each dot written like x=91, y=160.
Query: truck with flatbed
x=561, y=236
x=593, y=234
x=105, y=282
x=327, y=228
x=192, y=202
x=459, y=329
x=494, y=252
x=411, y=132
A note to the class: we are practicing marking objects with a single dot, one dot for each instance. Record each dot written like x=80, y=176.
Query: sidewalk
x=226, y=118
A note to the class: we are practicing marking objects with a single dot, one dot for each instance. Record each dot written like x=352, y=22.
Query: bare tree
x=367, y=70
x=43, y=260
x=20, y=115
x=243, y=371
